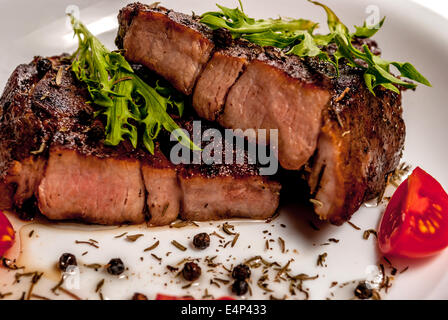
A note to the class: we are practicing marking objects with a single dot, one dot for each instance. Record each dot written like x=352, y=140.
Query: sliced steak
x=21, y=136
x=59, y=157
x=92, y=189
x=163, y=192
x=221, y=191
x=360, y=144
x=277, y=92
x=352, y=139
x=274, y=92
x=220, y=74
x=83, y=179
x=172, y=44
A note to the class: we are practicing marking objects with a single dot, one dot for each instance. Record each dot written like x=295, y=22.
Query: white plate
x=410, y=33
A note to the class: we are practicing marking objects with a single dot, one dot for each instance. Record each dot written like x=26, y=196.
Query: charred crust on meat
x=128, y=13
x=222, y=38
x=376, y=129
x=49, y=123
x=43, y=66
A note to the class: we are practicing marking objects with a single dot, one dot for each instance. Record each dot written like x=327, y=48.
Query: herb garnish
x=3, y=295
x=367, y=233
x=298, y=37
x=282, y=244
x=121, y=235
x=124, y=99
x=321, y=259
x=178, y=245
x=90, y=243
x=155, y=245
x=235, y=239
x=134, y=237
x=11, y=265
x=99, y=286
x=227, y=228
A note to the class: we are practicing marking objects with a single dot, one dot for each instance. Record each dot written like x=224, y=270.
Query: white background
x=439, y=6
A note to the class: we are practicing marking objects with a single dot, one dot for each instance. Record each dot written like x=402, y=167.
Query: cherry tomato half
x=415, y=223
x=6, y=234
x=167, y=297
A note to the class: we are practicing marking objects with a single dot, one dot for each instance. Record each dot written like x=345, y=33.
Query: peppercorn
x=66, y=260
x=191, y=271
x=201, y=240
x=363, y=291
x=241, y=272
x=240, y=287
x=139, y=296
x=115, y=266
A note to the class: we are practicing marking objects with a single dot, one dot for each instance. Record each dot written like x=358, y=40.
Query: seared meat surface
x=21, y=135
x=274, y=94
x=218, y=191
x=347, y=139
x=220, y=74
x=170, y=43
x=360, y=144
x=53, y=150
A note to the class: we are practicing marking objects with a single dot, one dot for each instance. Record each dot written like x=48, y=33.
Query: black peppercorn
x=241, y=272
x=66, y=260
x=363, y=291
x=191, y=271
x=139, y=296
x=201, y=240
x=115, y=266
x=240, y=287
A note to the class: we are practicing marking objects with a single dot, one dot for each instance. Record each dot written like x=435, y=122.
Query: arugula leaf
x=334, y=24
x=298, y=37
x=126, y=101
x=368, y=31
x=378, y=71
x=280, y=33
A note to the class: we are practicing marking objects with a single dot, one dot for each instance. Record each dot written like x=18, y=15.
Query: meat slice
x=349, y=139
x=163, y=192
x=21, y=136
x=173, y=44
x=274, y=91
x=222, y=191
x=224, y=196
x=83, y=179
x=54, y=151
x=88, y=188
x=360, y=144
x=279, y=93
x=214, y=84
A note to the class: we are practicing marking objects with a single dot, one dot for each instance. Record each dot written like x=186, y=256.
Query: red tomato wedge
x=415, y=223
x=167, y=297
x=6, y=234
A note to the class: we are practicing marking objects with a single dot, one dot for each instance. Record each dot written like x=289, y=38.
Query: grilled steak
x=349, y=139
x=274, y=94
x=218, y=191
x=224, y=68
x=106, y=191
x=53, y=150
x=20, y=136
x=188, y=43
x=360, y=144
